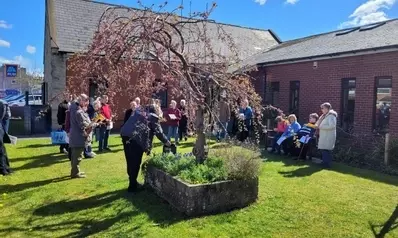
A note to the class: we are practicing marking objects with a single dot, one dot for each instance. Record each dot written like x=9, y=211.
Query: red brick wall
x=323, y=84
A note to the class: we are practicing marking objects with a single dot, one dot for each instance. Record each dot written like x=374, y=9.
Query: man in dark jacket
x=61, y=116
x=4, y=162
x=137, y=135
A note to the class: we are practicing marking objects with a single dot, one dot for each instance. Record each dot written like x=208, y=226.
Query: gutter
x=333, y=55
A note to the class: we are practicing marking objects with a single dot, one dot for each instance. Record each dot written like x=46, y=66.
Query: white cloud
x=30, y=49
x=4, y=43
x=5, y=25
x=369, y=12
x=22, y=61
x=292, y=2
x=261, y=2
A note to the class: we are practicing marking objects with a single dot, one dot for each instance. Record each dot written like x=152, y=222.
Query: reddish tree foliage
x=129, y=44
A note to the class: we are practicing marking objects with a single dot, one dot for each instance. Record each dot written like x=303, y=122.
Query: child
x=305, y=137
x=280, y=129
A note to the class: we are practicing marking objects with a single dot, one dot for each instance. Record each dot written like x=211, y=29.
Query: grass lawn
x=295, y=200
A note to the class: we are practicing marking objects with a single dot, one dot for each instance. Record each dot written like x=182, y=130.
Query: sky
x=22, y=21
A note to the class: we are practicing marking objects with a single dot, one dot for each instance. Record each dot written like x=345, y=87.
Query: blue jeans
x=6, y=125
x=173, y=132
x=103, y=138
x=222, y=130
x=326, y=158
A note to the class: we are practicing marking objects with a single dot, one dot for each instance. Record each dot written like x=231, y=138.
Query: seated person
x=298, y=148
x=290, y=131
x=280, y=129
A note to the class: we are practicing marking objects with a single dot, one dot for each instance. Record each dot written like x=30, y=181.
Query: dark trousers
x=327, y=158
x=275, y=146
x=182, y=130
x=103, y=138
x=287, y=145
x=303, y=149
x=133, y=153
x=4, y=162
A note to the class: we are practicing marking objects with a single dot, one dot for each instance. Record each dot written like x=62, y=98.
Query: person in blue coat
x=290, y=131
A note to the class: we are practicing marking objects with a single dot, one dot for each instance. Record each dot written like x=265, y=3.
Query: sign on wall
x=11, y=70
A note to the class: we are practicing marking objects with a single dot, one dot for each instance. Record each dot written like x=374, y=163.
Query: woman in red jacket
x=173, y=119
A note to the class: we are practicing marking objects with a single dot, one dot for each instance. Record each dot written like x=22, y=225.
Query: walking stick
x=301, y=151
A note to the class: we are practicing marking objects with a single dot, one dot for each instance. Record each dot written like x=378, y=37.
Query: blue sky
x=22, y=21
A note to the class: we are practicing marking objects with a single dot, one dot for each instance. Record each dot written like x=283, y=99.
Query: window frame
x=345, y=85
x=375, y=88
x=293, y=86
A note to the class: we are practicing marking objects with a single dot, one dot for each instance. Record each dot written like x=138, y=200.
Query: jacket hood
x=333, y=112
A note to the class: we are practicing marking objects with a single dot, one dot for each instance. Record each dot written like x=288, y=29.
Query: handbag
x=58, y=137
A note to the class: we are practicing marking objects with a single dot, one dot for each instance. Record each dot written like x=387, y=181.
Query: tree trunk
x=199, y=149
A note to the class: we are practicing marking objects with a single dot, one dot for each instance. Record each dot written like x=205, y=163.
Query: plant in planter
x=228, y=179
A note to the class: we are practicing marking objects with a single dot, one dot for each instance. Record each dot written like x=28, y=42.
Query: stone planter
x=196, y=200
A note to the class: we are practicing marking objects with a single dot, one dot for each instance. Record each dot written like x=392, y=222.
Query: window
x=346, y=31
x=273, y=93
x=97, y=88
x=348, y=104
x=383, y=104
x=371, y=26
x=294, y=97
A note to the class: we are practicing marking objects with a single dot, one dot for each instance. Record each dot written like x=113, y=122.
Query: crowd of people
x=83, y=118
x=295, y=140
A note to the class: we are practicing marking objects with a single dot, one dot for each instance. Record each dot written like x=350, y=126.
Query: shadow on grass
x=145, y=202
x=23, y=186
x=41, y=161
x=301, y=172
x=336, y=167
x=37, y=146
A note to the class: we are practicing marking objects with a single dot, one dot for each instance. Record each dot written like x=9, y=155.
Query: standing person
x=61, y=118
x=79, y=125
x=246, y=114
x=4, y=162
x=105, y=128
x=137, y=136
x=7, y=117
x=183, y=124
x=327, y=125
x=224, y=115
x=88, y=151
x=173, y=119
x=130, y=112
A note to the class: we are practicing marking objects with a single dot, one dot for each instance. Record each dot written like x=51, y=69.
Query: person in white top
x=326, y=126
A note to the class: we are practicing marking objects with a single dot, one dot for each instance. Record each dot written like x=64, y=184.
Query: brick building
x=70, y=26
x=354, y=69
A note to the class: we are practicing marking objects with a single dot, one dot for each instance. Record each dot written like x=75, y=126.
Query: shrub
x=222, y=164
x=241, y=164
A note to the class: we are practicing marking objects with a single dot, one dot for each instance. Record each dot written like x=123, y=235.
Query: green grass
x=295, y=200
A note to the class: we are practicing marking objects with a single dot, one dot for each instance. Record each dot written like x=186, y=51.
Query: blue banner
x=11, y=70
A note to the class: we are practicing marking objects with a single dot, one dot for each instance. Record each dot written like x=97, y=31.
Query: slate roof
x=75, y=22
x=331, y=44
